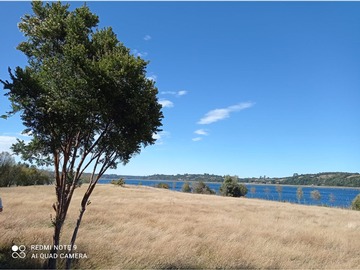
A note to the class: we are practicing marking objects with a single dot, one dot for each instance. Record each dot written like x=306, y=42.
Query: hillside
x=324, y=179
x=143, y=227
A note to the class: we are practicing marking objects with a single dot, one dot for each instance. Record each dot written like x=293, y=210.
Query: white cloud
x=147, y=37
x=160, y=136
x=220, y=114
x=138, y=53
x=178, y=93
x=166, y=103
x=197, y=139
x=6, y=142
x=201, y=132
x=152, y=77
x=181, y=93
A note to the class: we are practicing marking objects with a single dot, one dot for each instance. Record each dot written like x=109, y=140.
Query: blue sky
x=248, y=88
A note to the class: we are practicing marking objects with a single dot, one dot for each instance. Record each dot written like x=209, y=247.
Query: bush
x=355, y=205
x=120, y=182
x=186, y=187
x=315, y=194
x=202, y=188
x=162, y=185
x=230, y=187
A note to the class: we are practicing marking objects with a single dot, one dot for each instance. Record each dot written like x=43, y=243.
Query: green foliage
x=186, y=187
x=202, y=188
x=82, y=93
x=315, y=194
x=162, y=185
x=83, y=97
x=231, y=187
x=324, y=179
x=7, y=166
x=12, y=174
x=355, y=205
x=120, y=182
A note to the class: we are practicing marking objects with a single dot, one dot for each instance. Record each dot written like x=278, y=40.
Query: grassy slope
x=142, y=227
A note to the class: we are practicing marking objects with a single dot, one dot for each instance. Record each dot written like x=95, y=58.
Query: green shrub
x=230, y=187
x=162, y=185
x=186, y=187
x=355, y=205
x=202, y=188
x=120, y=182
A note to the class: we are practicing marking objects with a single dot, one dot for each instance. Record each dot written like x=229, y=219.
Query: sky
x=247, y=88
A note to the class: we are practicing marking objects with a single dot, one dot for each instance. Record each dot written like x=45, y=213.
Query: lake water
x=334, y=197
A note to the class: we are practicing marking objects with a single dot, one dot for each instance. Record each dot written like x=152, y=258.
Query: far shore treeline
x=340, y=179
x=19, y=174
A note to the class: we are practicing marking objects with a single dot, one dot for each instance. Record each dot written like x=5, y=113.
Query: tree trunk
x=53, y=252
x=73, y=238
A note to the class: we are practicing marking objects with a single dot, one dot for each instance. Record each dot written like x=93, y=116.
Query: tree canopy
x=231, y=187
x=83, y=97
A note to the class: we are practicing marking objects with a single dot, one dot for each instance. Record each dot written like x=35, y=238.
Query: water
x=333, y=197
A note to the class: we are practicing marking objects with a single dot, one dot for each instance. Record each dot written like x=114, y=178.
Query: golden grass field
x=142, y=227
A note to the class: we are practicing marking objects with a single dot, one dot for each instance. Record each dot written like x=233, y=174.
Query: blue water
x=334, y=197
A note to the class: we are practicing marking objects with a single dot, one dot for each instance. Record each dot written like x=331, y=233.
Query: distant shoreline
x=246, y=183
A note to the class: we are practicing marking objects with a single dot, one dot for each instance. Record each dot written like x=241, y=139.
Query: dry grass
x=142, y=227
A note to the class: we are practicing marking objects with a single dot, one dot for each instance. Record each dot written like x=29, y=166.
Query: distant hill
x=324, y=179
x=342, y=179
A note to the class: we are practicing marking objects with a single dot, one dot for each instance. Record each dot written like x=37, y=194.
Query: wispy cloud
x=138, y=53
x=152, y=77
x=182, y=93
x=220, y=114
x=197, y=139
x=177, y=93
x=6, y=142
x=201, y=132
x=147, y=37
x=166, y=103
x=160, y=136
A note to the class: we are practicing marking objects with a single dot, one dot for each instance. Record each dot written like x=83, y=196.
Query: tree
x=186, y=187
x=279, y=191
x=355, y=205
x=299, y=194
x=315, y=194
x=231, y=187
x=7, y=163
x=162, y=185
x=85, y=99
x=201, y=188
x=120, y=182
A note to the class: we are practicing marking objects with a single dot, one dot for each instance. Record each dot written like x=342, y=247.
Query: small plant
x=162, y=185
x=315, y=195
x=355, y=205
x=186, y=187
x=120, y=182
x=279, y=191
x=299, y=194
x=202, y=188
